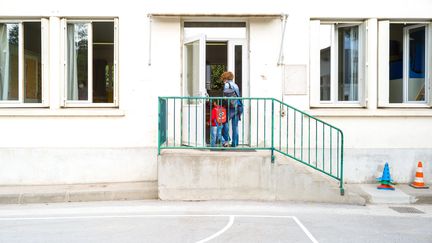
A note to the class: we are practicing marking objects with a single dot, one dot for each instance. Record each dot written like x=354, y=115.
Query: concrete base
x=403, y=194
x=219, y=175
x=78, y=192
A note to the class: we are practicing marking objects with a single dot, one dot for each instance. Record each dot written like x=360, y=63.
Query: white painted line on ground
x=230, y=223
x=305, y=230
x=139, y=216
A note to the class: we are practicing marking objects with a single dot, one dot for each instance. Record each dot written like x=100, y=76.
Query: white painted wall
x=55, y=133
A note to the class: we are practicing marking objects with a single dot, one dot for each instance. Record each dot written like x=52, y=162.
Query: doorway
x=209, y=49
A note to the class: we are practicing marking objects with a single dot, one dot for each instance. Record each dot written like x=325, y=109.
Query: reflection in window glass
x=238, y=67
x=407, y=63
x=192, y=68
x=348, y=63
x=103, y=62
x=77, y=61
x=9, y=61
x=325, y=61
x=396, y=63
x=32, y=63
x=416, y=68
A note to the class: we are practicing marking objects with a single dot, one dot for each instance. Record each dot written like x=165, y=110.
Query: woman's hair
x=227, y=75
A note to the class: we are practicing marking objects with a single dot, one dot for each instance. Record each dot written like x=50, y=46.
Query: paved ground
x=156, y=221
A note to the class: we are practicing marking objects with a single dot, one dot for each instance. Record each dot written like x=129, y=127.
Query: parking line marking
x=305, y=229
x=230, y=223
x=140, y=216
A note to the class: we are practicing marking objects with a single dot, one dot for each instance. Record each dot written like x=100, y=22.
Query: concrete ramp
x=234, y=175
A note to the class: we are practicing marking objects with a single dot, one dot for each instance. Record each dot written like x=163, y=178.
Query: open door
x=193, y=110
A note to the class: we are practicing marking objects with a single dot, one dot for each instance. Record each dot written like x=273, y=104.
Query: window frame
x=314, y=65
x=383, y=65
x=44, y=22
x=88, y=103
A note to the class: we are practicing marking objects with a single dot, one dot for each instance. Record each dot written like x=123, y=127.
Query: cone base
x=386, y=183
x=419, y=187
x=385, y=187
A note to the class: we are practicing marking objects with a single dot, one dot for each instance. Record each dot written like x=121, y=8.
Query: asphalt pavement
x=214, y=221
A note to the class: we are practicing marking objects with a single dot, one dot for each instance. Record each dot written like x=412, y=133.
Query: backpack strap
x=229, y=84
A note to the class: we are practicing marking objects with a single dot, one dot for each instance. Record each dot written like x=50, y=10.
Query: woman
x=234, y=108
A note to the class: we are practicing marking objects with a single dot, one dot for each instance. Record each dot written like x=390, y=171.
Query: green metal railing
x=265, y=124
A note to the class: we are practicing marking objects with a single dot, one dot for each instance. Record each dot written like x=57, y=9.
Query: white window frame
x=21, y=58
x=383, y=65
x=314, y=65
x=88, y=103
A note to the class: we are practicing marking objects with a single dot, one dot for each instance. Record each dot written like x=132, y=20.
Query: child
x=217, y=119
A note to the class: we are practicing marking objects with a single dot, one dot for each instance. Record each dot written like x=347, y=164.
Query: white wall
x=54, y=131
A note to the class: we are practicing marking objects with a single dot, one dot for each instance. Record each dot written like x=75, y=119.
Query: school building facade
x=80, y=80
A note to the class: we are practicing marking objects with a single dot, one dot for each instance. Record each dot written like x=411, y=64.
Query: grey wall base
x=212, y=175
x=78, y=192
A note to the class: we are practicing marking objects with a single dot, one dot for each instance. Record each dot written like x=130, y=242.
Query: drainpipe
x=284, y=19
x=150, y=39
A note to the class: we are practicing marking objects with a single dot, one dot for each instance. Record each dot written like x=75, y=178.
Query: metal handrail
x=266, y=124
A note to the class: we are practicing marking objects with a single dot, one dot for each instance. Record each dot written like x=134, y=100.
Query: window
x=22, y=63
x=337, y=63
x=404, y=69
x=90, y=63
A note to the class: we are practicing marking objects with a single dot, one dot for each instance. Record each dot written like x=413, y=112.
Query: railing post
x=159, y=125
x=342, y=191
x=272, y=134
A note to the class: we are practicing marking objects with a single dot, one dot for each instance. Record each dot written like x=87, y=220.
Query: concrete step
x=78, y=192
x=227, y=175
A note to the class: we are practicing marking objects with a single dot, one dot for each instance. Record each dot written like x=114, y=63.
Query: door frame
x=213, y=34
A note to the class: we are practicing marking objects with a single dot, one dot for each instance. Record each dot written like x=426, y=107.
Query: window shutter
x=383, y=62
x=45, y=61
x=314, y=63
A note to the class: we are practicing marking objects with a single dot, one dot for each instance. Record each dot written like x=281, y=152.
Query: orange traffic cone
x=418, y=181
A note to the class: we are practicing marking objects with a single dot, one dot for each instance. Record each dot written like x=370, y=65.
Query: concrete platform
x=78, y=192
x=221, y=175
x=403, y=194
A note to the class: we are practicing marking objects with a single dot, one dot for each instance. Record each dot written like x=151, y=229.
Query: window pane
x=192, y=68
x=238, y=66
x=325, y=61
x=216, y=64
x=103, y=62
x=396, y=63
x=9, y=61
x=348, y=45
x=32, y=63
x=416, y=68
x=77, y=61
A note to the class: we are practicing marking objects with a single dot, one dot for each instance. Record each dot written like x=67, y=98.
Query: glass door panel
x=193, y=110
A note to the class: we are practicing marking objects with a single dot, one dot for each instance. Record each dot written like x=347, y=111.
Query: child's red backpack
x=221, y=116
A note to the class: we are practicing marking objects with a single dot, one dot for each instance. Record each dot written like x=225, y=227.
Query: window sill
x=380, y=112
x=332, y=105
x=75, y=112
x=405, y=105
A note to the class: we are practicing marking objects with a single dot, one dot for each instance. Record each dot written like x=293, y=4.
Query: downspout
x=284, y=19
x=150, y=39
